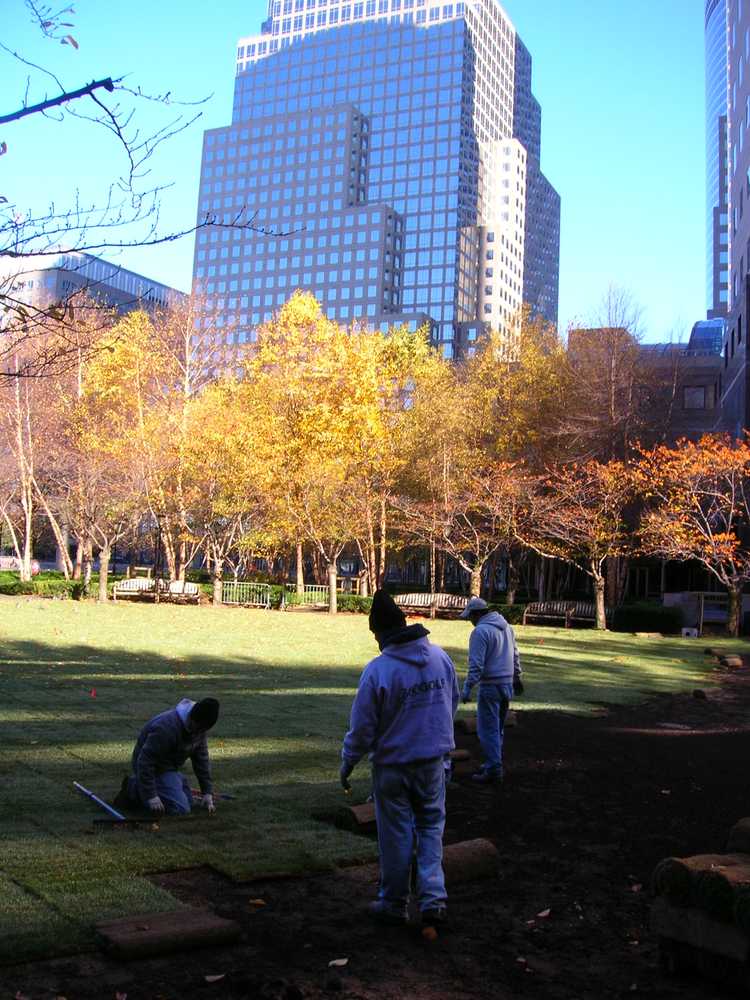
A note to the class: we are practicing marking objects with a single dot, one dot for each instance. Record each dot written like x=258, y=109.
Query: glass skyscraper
x=717, y=228
x=392, y=149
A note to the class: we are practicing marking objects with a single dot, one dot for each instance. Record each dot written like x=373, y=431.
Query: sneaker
x=383, y=914
x=437, y=917
x=487, y=778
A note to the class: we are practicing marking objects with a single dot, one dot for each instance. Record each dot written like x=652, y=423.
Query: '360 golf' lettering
x=422, y=688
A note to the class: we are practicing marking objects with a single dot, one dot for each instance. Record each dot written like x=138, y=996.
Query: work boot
x=122, y=800
x=487, y=777
x=383, y=914
x=436, y=917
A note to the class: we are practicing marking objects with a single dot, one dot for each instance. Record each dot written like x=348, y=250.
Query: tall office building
x=392, y=146
x=717, y=229
x=735, y=397
x=42, y=280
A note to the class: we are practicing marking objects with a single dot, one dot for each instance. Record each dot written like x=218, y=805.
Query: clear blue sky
x=622, y=94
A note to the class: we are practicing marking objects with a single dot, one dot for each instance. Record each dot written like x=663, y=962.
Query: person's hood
x=493, y=618
x=408, y=644
x=184, y=708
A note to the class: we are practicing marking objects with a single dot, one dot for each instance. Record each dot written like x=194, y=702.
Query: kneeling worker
x=162, y=747
x=402, y=717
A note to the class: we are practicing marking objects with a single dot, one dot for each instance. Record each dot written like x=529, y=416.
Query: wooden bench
x=424, y=603
x=183, y=592
x=138, y=587
x=566, y=611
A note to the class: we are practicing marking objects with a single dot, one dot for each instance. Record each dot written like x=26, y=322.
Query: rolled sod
x=742, y=909
x=675, y=877
x=358, y=819
x=739, y=836
x=470, y=859
x=716, y=889
x=159, y=933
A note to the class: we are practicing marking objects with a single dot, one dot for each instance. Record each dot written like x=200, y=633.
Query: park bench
x=138, y=587
x=451, y=604
x=183, y=592
x=566, y=611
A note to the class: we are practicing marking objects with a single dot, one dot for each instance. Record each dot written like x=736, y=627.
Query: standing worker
x=495, y=665
x=403, y=717
x=162, y=747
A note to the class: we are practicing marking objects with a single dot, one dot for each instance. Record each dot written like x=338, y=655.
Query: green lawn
x=285, y=682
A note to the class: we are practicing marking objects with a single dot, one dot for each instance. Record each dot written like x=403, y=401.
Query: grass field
x=77, y=680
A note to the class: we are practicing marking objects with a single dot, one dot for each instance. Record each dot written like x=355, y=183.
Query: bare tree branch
x=53, y=102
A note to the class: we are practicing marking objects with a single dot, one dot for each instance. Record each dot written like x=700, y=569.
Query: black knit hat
x=204, y=713
x=385, y=614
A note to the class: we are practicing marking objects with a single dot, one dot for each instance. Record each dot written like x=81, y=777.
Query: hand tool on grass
x=198, y=794
x=115, y=820
x=100, y=802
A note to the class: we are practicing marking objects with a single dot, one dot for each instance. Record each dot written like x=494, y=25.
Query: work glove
x=207, y=802
x=465, y=693
x=156, y=805
x=344, y=772
x=517, y=684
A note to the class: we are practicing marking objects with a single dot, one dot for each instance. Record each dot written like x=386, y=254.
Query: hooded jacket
x=493, y=654
x=164, y=744
x=405, y=702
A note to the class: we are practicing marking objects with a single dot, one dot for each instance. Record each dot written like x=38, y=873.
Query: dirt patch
x=588, y=808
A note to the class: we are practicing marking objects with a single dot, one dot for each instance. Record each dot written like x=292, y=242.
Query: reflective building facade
x=735, y=394
x=717, y=235
x=391, y=144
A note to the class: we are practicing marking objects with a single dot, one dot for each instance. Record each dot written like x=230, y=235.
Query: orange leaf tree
x=697, y=506
x=576, y=513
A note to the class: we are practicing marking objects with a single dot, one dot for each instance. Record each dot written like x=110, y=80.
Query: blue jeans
x=172, y=788
x=409, y=808
x=492, y=707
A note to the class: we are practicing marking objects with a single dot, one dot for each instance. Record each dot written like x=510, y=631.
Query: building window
x=694, y=397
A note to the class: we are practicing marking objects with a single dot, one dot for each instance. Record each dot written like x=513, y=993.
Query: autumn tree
x=576, y=513
x=226, y=506
x=298, y=398
x=697, y=507
x=150, y=367
x=450, y=442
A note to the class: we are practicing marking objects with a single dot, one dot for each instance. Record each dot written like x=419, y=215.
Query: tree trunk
x=181, y=566
x=510, y=593
x=383, y=543
x=540, y=574
x=332, y=606
x=86, y=568
x=300, y=582
x=433, y=567
x=62, y=557
x=475, y=581
x=601, y=616
x=77, y=567
x=104, y=554
x=217, y=584
x=733, y=613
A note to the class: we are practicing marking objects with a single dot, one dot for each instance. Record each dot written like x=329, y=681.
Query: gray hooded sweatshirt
x=493, y=654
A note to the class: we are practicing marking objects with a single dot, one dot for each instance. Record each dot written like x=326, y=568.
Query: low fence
x=313, y=594
x=255, y=595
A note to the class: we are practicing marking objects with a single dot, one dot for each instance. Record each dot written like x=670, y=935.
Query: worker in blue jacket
x=495, y=665
x=402, y=717
x=162, y=747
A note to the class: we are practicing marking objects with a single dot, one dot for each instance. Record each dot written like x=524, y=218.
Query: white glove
x=156, y=805
x=207, y=802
